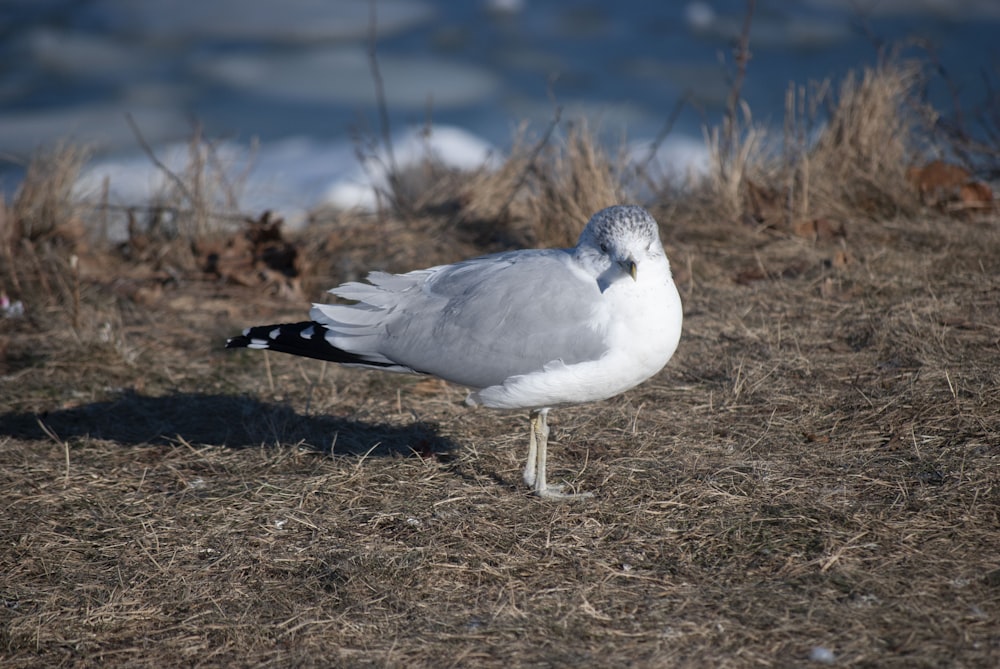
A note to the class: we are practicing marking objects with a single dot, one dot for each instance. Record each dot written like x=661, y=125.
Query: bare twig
x=270, y=376
x=148, y=150
x=661, y=136
x=74, y=265
x=10, y=234
x=196, y=175
x=54, y=437
x=230, y=187
x=535, y=152
x=29, y=250
x=968, y=144
x=158, y=210
x=385, y=128
x=102, y=208
x=741, y=57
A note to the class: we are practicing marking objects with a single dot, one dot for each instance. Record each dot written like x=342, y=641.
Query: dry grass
x=844, y=153
x=861, y=155
x=734, y=164
x=43, y=203
x=576, y=179
x=545, y=191
x=818, y=467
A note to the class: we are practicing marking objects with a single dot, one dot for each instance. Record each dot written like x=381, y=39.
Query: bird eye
x=604, y=247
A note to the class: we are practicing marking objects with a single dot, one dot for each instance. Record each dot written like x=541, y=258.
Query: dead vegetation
x=814, y=478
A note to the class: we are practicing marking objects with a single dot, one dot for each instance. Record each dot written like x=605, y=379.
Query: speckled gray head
x=621, y=241
x=619, y=225
x=622, y=236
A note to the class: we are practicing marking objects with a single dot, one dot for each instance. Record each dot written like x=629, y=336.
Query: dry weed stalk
x=545, y=193
x=44, y=202
x=202, y=199
x=736, y=158
x=42, y=229
x=737, y=154
x=971, y=134
x=859, y=160
x=579, y=179
x=489, y=195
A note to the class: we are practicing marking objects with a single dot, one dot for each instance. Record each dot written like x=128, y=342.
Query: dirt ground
x=814, y=479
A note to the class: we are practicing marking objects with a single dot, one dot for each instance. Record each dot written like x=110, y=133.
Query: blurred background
x=294, y=77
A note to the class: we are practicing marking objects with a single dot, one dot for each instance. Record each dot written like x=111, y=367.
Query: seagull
x=530, y=329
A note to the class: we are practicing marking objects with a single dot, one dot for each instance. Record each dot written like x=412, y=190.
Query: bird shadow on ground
x=222, y=420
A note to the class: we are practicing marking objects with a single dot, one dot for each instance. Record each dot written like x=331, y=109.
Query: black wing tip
x=284, y=337
x=288, y=338
x=241, y=341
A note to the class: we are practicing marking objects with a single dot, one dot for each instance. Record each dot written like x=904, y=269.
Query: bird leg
x=530, y=470
x=534, y=470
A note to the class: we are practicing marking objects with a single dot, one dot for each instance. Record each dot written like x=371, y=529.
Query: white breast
x=643, y=329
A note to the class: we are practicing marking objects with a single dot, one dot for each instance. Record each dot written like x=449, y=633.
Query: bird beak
x=630, y=267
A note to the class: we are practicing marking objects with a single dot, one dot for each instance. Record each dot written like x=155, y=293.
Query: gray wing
x=476, y=322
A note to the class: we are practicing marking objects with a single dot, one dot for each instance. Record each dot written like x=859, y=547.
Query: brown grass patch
x=861, y=157
x=816, y=468
x=545, y=192
x=846, y=153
